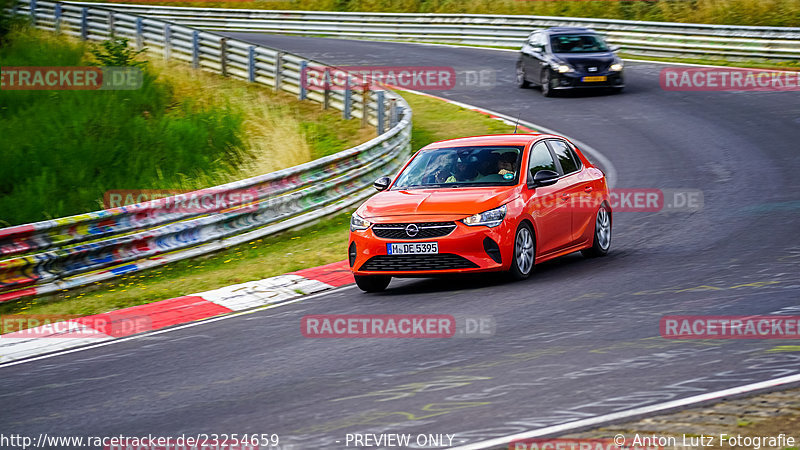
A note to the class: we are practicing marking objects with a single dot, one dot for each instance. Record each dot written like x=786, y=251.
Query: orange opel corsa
x=481, y=204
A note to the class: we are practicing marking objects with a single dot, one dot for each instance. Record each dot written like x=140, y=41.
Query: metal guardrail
x=60, y=254
x=637, y=38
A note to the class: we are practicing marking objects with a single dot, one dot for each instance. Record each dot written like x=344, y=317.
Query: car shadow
x=449, y=283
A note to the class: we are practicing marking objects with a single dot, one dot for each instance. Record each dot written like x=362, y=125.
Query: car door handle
x=587, y=189
x=564, y=197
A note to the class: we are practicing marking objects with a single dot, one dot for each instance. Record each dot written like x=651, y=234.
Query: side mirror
x=382, y=183
x=614, y=48
x=545, y=178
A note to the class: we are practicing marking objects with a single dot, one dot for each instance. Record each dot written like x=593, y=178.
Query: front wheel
x=522, y=83
x=547, y=89
x=372, y=283
x=602, y=235
x=524, y=253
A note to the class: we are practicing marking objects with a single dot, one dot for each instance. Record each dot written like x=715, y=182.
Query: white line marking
x=610, y=170
x=599, y=420
x=180, y=327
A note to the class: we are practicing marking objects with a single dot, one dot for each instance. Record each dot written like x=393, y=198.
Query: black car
x=568, y=58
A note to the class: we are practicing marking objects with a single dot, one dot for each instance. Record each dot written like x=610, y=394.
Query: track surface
x=578, y=339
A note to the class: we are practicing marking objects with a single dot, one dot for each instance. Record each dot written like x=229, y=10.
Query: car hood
x=440, y=202
x=586, y=59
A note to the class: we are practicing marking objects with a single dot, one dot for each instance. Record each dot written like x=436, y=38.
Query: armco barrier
x=73, y=251
x=646, y=39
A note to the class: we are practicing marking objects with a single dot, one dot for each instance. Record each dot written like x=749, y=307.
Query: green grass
x=732, y=12
x=62, y=149
x=323, y=243
x=184, y=129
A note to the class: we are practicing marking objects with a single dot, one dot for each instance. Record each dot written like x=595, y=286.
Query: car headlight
x=563, y=68
x=358, y=223
x=491, y=218
x=616, y=67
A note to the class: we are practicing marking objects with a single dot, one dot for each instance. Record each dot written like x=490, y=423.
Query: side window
x=544, y=41
x=566, y=157
x=540, y=159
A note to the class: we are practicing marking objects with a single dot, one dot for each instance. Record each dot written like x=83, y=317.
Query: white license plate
x=415, y=248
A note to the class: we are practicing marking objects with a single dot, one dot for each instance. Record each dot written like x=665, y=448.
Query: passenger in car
x=506, y=163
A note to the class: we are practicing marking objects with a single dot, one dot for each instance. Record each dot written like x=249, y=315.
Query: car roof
x=492, y=139
x=565, y=30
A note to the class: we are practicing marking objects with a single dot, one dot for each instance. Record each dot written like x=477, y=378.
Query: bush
x=116, y=52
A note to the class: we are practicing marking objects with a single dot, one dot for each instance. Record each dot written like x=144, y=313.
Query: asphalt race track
x=578, y=339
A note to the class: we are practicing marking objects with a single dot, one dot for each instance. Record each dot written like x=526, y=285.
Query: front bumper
x=465, y=250
x=574, y=80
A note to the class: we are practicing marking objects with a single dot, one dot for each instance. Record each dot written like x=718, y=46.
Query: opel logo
x=412, y=230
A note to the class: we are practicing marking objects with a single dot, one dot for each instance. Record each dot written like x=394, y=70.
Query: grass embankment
x=732, y=12
x=183, y=129
x=323, y=243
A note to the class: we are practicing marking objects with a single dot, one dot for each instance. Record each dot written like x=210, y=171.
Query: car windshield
x=578, y=43
x=462, y=167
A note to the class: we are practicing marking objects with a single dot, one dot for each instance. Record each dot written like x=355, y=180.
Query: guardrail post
x=364, y=105
x=251, y=64
x=347, y=98
x=195, y=49
x=111, y=25
x=381, y=112
x=326, y=81
x=167, y=39
x=393, y=112
x=33, y=12
x=303, y=79
x=278, y=70
x=223, y=56
x=57, y=16
x=15, y=9
x=139, y=33
x=84, y=23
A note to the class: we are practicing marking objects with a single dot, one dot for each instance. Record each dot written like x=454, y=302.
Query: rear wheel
x=602, y=235
x=372, y=283
x=524, y=253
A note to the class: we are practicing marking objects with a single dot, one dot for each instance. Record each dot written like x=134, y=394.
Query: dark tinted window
x=540, y=159
x=578, y=43
x=566, y=157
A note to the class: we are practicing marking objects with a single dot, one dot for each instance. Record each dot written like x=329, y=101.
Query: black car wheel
x=547, y=90
x=372, y=283
x=602, y=235
x=522, y=83
x=524, y=253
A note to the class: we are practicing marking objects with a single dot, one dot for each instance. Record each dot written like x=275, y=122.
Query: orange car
x=463, y=206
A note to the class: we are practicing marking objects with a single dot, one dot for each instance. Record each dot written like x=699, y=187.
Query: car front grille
x=400, y=263
x=426, y=230
x=584, y=68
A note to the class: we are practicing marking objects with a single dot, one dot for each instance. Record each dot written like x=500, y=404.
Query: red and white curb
x=175, y=311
